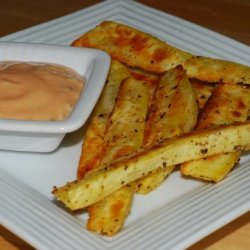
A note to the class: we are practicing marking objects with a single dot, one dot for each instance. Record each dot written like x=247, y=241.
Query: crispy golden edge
x=227, y=105
x=132, y=47
x=139, y=49
x=173, y=94
x=193, y=146
x=216, y=70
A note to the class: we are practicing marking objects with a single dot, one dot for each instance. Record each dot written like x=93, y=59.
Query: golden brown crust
x=228, y=104
x=125, y=128
x=108, y=215
x=173, y=94
x=132, y=47
x=213, y=168
x=93, y=145
x=216, y=70
x=123, y=136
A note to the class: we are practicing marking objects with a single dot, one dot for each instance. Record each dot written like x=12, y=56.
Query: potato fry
x=216, y=70
x=173, y=94
x=213, y=168
x=108, y=215
x=193, y=146
x=93, y=145
x=229, y=103
x=133, y=47
x=124, y=135
x=126, y=125
x=152, y=180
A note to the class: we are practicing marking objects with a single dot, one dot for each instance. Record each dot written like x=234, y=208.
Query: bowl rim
x=98, y=68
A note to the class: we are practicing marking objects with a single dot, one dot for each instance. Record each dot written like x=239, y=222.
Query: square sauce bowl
x=46, y=136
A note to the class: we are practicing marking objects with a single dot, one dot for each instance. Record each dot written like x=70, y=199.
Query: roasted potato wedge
x=228, y=104
x=125, y=128
x=213, y=168
x=196, y=145
x=133, y=47
x=93, y=145
x=108, y=215
x=173, y=94
x=123, y=136
x=216, y=70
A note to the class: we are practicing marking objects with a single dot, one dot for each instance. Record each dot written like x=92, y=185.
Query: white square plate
x=177, y=214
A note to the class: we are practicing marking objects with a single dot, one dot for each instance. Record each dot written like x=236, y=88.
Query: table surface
x=228, y=17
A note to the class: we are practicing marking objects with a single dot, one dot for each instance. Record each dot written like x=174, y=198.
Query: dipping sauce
x=38, y=91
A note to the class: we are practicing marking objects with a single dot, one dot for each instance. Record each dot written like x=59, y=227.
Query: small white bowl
x=45, y=136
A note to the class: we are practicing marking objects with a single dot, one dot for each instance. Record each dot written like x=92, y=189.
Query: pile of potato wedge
x=161, y=109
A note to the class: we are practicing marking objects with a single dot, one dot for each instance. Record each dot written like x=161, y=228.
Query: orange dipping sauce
x=38, y=91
